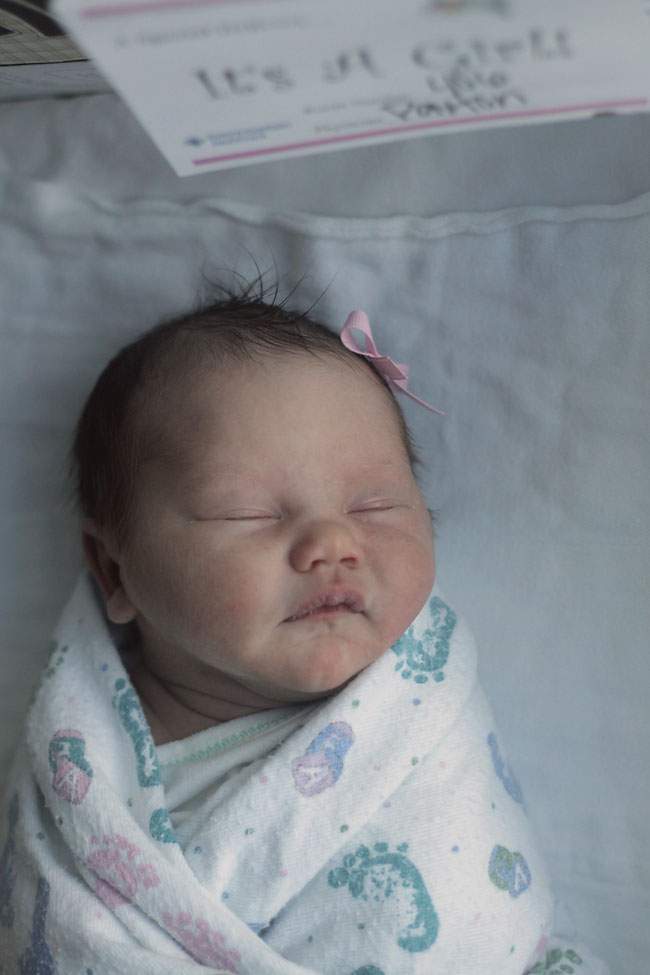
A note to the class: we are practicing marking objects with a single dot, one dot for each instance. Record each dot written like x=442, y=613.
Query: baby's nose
x=326, y=542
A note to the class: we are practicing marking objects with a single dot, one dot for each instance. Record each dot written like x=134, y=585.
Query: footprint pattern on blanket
x=72, y=773
x=160, y=827
x=118, y=876
x=322, y=764
x=381, y=874
x=423, y=658
x=135, y=724
x=54, y=661
x=201, y=941
x=37, y=958
x=367, y=970
x=7, y=872
x=509, y=871
x=507, y=776
x=557, y=962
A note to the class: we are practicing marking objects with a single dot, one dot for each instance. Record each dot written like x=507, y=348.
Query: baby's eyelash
x=251, y=517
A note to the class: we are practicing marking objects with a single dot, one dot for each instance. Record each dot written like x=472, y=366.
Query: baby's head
x=249, y=499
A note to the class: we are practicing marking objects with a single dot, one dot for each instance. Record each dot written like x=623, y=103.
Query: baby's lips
x=331, y=596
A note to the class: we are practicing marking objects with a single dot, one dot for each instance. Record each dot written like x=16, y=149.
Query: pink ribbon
x=395, y=374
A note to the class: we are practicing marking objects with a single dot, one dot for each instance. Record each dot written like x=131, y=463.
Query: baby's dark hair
x=120, y=425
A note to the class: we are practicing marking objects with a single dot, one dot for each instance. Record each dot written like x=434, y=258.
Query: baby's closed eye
x=377, y=506
x=248, y=515
x=237, y=514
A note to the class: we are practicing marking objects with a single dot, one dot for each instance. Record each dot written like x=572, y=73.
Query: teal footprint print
x=367, y=970
x=53, y=662
x=160, y=827
x=380, y=875
x=423, y=659
x=135, y=724
x=557, y=962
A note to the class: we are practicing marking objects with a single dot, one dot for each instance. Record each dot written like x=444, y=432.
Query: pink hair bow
x=396, y=375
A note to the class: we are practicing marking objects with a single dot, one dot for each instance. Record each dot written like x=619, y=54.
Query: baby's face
x=284, y=542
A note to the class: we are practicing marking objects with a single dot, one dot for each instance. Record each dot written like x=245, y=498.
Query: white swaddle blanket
x=384, y=835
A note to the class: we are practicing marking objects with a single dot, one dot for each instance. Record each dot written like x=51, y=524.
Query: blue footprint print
x=135, y=724
x=509, y=871
x=37, y=959
x=7, y=872
x=381, y=875
x=506, y=775
x=423, y=659
x=321, y=765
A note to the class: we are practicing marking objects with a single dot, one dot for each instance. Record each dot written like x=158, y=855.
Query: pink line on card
x=141, y=6
x=444, y=123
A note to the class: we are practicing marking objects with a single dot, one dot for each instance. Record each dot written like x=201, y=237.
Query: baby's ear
x=103, y=561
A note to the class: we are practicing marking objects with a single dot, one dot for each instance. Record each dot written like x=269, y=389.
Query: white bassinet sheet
x=528, y=324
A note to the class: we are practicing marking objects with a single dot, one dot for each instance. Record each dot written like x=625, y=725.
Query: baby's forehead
x=213, y=400
x=178, y=397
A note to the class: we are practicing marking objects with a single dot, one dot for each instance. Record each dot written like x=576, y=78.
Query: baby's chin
x=300, y=690
x=311, y=681
x=326, y=677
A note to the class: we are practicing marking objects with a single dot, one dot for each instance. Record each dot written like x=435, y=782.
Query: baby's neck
x=174, y=711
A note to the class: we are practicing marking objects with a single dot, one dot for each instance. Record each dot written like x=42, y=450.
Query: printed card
x=223, y=83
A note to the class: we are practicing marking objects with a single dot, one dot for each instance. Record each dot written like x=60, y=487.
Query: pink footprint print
x=117, y=875
x=201, y=941
x=72, y=775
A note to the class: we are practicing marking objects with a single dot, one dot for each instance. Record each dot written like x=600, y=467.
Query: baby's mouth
x=329, y=603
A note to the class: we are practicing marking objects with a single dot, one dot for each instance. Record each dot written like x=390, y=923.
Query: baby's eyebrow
x=215, y=474
x=227, y=469
x=383, y=468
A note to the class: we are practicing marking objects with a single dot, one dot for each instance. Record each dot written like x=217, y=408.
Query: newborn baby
x=276, y=542
x=259, y=745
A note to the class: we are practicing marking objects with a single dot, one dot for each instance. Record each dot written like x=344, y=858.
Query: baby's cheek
x=412, y=578
x=232, y=598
